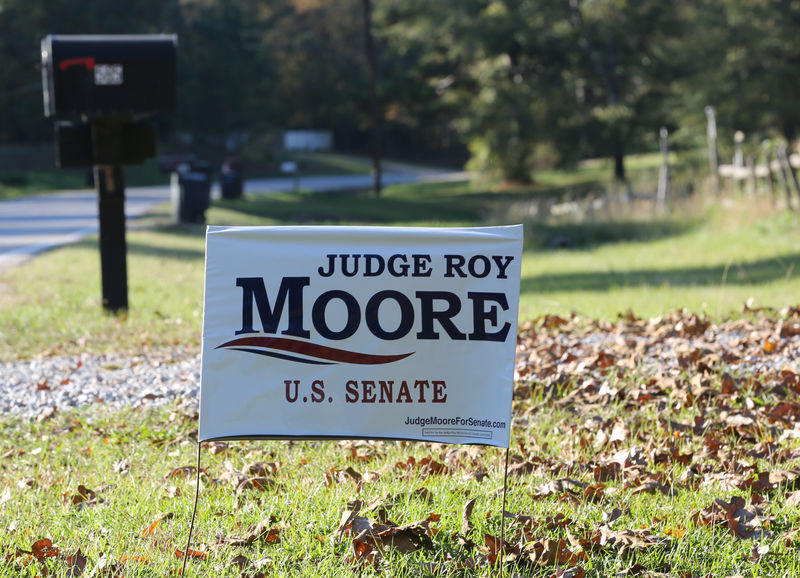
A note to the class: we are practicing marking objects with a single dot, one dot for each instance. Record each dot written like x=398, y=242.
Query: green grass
x=712, y=267
x=131, y=461
x=707, y=260
x=711, y=261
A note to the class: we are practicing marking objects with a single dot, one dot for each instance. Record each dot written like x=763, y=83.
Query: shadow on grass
x=748, y=273
x=165, y=253
x=152, y=250
x=543, y=235
x=355, y=207
x=431, y=204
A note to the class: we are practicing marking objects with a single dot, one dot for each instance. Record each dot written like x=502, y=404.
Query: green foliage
x=497, y=68
x=524, y=85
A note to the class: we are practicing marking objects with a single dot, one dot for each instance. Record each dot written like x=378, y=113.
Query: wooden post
x=750, y=163
x=110, y=186
x=787, y=165
x=738, y=157
x=780, y=153
x=663, y=172
x=766, y=146
x=713, y=157
x=107, y=150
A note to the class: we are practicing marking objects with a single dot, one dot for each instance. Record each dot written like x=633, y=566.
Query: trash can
x=191, y=196
x=231, y=181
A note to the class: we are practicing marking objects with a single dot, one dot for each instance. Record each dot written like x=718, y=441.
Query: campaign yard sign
x=360, y=332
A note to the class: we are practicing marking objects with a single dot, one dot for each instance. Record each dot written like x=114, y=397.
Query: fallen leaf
x=156, y=522
x=466, y=517
x=733, y=515
x=263, y=531
x=261, y=469
x=792, y=539
x=550, y=552
x=793, y=499
x=559, y=488
x=216, y=448
x=43, y=549
x=675, y=532
x=499, y=548
x=135, y=558
x=191, y=554
x=85, y=497
x=255, y=484
x=181, y=472
x=76, y=564
x=351, y=523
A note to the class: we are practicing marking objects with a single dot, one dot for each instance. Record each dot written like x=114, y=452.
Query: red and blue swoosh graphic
x=291, y=350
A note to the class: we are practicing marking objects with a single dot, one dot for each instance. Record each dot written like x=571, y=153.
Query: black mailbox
x=101, y=76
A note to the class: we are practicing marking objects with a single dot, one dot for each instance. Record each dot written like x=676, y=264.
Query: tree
x=626, y=64
x=750, y=64
x=496, y=64
x=226, y=76
x=318, y=52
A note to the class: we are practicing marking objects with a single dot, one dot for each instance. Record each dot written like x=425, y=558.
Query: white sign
x=360, y=332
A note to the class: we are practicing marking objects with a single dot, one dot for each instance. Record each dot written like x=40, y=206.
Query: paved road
x=34, y=224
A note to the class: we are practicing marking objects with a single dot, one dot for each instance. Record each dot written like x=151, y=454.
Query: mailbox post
x=109, y=86
x=110, y=184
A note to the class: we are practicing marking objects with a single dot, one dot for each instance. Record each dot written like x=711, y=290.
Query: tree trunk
x=619, y=159
x=770, y=180
x=605, y=69
x=369, y=48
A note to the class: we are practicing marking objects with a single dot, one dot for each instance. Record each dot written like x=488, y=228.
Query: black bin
x=231, y=181
x=191, y=196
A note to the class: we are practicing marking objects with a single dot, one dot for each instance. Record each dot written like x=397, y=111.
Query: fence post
x=766, y=146
x=738, y=158
x=663, y=172
x=713, y=158
x=783, y=153
x=780, y=153
x=738, y=155
x=752, y=184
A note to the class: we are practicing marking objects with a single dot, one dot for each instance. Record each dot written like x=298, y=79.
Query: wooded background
x=515, y=85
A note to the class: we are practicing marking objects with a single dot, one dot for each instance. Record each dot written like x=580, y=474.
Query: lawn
x=617, y=468
x=709, y=259
x=646, y=441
